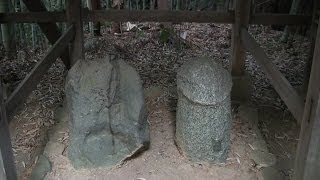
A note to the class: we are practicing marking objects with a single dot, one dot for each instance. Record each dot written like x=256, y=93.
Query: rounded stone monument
x=204, y=110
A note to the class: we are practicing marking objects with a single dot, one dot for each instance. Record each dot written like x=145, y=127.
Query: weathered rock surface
x=107, y=112
x=203, y=111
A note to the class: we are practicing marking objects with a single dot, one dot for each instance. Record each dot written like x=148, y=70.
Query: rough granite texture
x=203, y=111
x=108, y=118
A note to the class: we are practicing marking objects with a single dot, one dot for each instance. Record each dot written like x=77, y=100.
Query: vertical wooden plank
x=242, y=16
x=313, y=34
x=240, y=89
x=5, y=143
x=74, y=15
x=307, y=163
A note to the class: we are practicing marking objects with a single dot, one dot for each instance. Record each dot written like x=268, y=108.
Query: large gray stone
x=203, y=111
x=107, y=112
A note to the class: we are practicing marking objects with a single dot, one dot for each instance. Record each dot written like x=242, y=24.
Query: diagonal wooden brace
x=50, y=29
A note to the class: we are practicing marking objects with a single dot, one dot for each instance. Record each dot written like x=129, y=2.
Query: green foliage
x=165, y=35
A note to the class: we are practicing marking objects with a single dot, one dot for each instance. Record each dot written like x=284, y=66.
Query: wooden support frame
x=155, y=16
x=33, y=17
x=313, y=34
x=287, y=93
x=50, y=29
x=307, y=163
x=242, y=17
x=279, y=19
x=74, y=16
x=5, y=143
x=30, y=82
x=159, y=16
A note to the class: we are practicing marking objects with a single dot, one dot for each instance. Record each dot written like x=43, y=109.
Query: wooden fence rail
x=287, y=93
x=30, y=82
x=49, y=29
x=155, y=16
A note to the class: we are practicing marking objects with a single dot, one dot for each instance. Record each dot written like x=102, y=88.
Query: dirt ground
x=281, y=133
x=163, y=160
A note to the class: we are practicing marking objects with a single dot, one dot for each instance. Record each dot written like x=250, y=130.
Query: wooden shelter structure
x=69, y=46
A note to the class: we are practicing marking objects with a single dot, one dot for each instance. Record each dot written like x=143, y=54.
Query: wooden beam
x=33, y=17
x=159, y=16
x=242, y=14
x=155, y=16
x=30, y=82
x=50, y=30
x=313, y=35
x=74, y=15
x=307, y=162
x=279, y=19
x=287, y=93
x=5, y=143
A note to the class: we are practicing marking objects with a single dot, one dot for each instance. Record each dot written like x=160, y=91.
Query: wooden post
x=313, y=34
x=307, y=163
x=240, y=89
x=74, y=16
x=5, y=143
x=242, y=17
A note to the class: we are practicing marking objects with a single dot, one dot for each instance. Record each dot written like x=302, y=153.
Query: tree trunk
x=33, y=36
x=89, y=5
x=7, y=29
x=294, y=10
x=96, y=5
x=116, y=27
